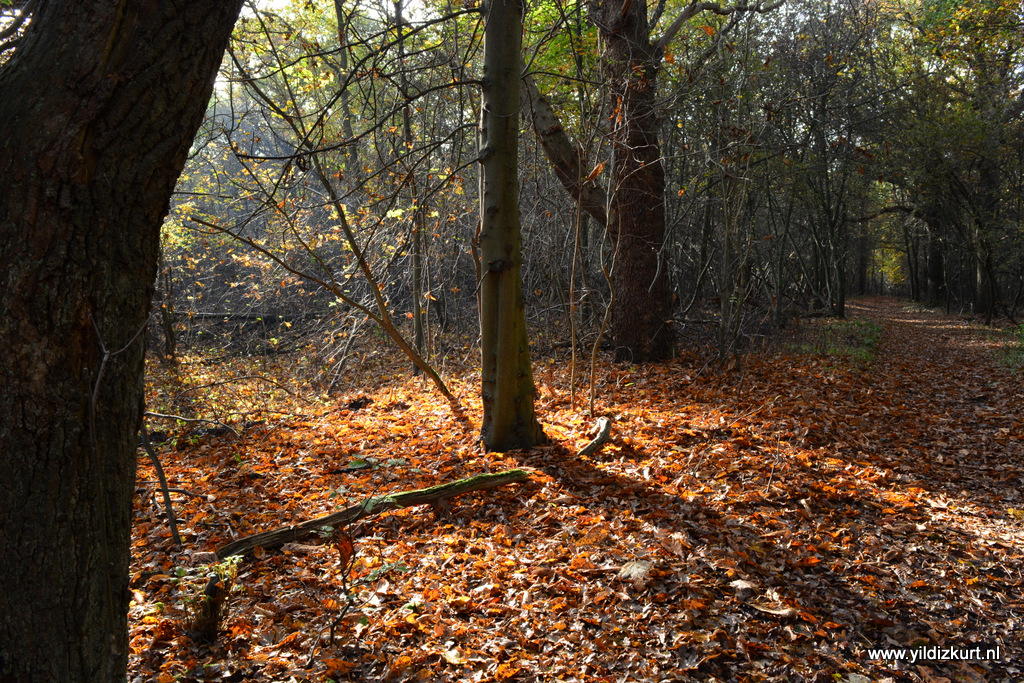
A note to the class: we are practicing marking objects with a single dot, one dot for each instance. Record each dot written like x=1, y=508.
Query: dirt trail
x=940, y=377
x=943, y=423
x=926, y=339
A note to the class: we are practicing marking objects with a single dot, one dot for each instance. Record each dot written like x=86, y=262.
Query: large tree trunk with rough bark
x=642, y=306
x=641, y=312
x=507, y=378
x=98, y=107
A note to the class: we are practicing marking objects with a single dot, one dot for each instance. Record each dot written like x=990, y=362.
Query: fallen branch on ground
x=435, y=495
x=604, y=431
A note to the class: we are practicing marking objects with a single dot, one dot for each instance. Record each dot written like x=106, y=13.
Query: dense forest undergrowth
x=772, y=521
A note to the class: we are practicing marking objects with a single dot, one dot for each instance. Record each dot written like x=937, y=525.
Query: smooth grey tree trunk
x=507, y=378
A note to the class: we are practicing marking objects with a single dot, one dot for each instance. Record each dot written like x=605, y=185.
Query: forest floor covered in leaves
x=772, y=522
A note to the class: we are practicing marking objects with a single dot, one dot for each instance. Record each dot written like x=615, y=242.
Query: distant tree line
x=740, y=163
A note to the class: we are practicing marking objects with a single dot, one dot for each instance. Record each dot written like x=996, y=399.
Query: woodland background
x=778, y=493
x=809, y=152
x=415, y=243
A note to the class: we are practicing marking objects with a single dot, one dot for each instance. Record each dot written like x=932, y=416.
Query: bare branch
x=23, y=15
x=696, y=8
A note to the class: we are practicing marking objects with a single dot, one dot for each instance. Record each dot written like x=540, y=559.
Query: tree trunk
x=98, y=107
x=507, y=378
x=641, y=325
x=936, y=266
x=352, y=151
x=563, y=154
x=987, y=226
x=416, y=200
x=863, y=259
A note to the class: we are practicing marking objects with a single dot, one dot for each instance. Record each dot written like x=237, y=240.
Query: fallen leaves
x=767, y=526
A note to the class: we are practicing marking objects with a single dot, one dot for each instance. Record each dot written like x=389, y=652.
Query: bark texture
x=98, y=107
x=641, y=312
x=506, y=375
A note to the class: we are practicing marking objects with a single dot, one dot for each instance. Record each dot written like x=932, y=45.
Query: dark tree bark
x=506, y=376
x=642, y=309
x=936, y=271
x=642, y=306
x=986, y=226
x=98, y=107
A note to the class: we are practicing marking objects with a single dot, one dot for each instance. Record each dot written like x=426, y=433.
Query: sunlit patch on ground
x=770, y=524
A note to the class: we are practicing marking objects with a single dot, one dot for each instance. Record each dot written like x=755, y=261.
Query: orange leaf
x=345, y=548
x=506, y=670
x=596, y=172
x=339, y=666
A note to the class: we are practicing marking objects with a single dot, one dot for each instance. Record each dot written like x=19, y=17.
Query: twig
x=185, y=492
x=261, y=378
x=171, y=520
x=192, y=419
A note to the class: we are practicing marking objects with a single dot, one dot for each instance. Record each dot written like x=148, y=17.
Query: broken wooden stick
x=435, y=495
x=604, y=430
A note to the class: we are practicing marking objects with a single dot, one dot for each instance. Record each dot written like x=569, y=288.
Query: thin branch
x=697, y=7
x=191, y=419
x=171, y=519
x=23, y=15
x=435, y=495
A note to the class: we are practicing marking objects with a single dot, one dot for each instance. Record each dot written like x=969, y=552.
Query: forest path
x=781, y=518
x=953, y=403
